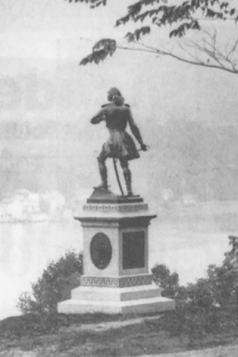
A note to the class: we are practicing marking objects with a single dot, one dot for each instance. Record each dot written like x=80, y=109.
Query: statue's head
x=114, y=95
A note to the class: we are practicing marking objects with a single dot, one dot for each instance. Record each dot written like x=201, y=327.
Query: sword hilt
x=147, y=147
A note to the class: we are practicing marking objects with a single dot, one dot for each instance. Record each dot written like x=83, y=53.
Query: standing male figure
x=120, y=144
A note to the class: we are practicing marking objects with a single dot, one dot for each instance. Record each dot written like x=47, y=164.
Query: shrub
x=168, y=282
x=55, y=285
x=209, y=305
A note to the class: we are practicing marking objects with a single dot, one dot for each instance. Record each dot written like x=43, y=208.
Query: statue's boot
x=103, y=173
x=127, y=176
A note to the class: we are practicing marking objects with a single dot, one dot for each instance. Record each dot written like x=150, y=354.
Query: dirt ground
x=228, y=351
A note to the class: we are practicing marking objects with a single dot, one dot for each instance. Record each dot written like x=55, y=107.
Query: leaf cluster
x=92, y=3
x=180, y=18
x=101, y=50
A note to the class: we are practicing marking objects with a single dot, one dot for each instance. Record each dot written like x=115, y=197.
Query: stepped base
x=143, y=299
x=158, y=304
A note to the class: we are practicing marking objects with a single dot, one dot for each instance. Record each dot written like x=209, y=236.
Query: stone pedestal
x=116, y=274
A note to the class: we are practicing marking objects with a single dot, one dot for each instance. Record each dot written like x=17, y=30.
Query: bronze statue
x=120, y=144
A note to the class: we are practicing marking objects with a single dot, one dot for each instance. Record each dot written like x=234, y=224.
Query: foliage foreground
x=206, y=314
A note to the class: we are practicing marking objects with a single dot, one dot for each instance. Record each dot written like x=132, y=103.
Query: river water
x=187, y=240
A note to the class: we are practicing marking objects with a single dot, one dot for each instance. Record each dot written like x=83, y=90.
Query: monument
x=116, y=277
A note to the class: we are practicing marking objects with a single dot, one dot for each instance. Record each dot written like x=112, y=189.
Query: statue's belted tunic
x=120, y=144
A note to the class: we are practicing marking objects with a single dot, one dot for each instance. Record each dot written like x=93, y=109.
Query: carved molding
x=120, y=282
x=116, y=208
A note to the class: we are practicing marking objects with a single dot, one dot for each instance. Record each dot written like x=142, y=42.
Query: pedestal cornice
x=129, y=211
x=128, y=221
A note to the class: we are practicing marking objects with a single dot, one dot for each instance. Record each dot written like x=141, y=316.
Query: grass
x=147, y=337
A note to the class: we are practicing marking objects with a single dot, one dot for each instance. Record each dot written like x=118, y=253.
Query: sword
x=117, y=175
x=116, y=171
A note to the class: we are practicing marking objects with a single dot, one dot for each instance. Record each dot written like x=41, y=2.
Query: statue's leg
x=102, y=170
x=127, y=175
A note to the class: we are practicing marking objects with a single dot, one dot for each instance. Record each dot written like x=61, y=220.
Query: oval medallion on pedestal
x=101, y=251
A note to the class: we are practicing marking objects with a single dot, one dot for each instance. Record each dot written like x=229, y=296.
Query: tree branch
x=201, y=64
x=224, y=58
x=195, y=58
x=209, y=53
x=233, y=49
x=179, y=58
x=135, y=49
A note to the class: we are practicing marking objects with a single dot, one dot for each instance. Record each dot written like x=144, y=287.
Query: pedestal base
x=116, y=271
x=139, y=299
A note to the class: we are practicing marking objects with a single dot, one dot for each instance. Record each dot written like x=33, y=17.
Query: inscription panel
x=133, y=250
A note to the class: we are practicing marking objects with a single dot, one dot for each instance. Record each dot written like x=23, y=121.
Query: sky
x=38, y=37
x=32, y=28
